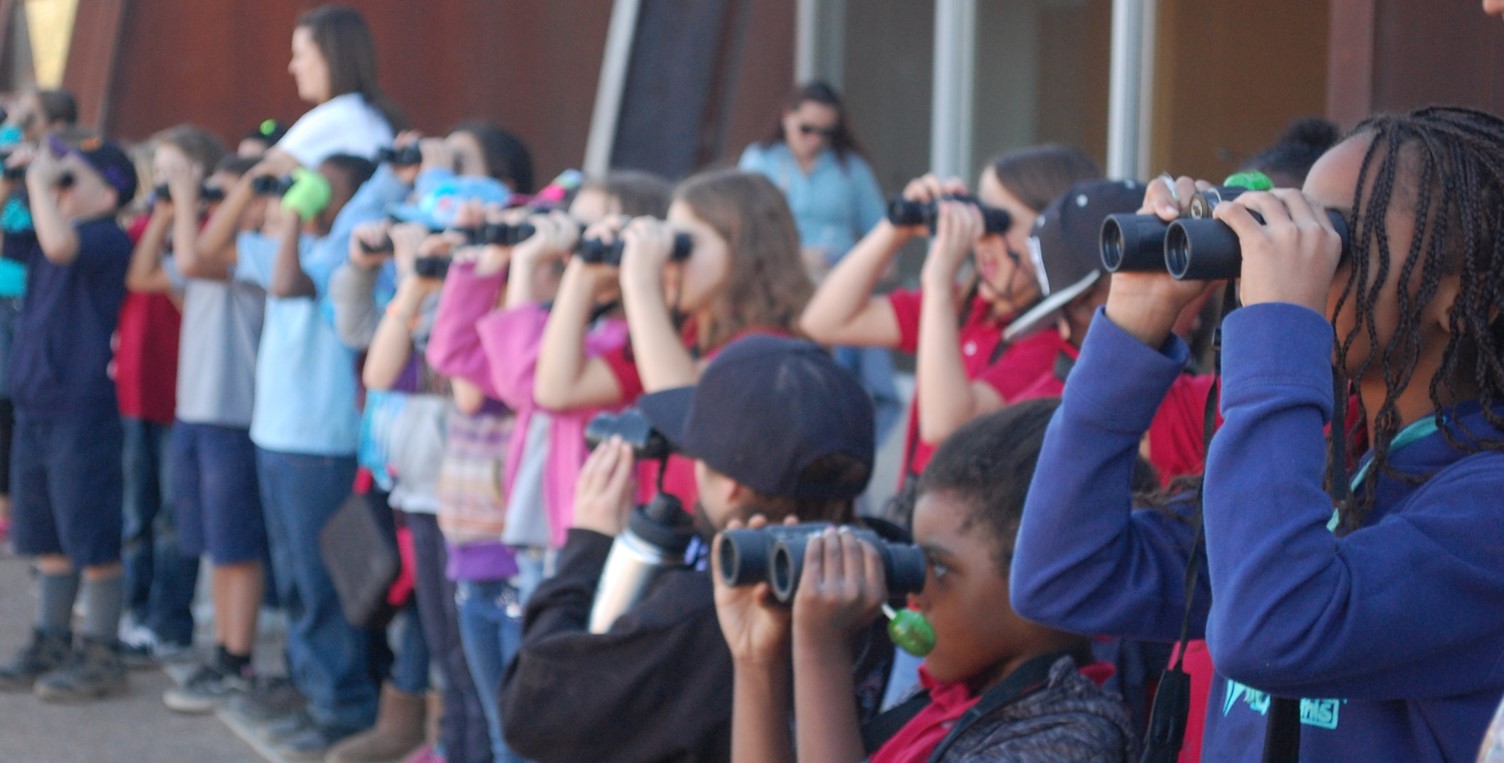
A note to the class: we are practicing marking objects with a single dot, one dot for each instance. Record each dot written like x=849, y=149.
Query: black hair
x=356, y=169
x=842, y=141
x=58, y=106
x=507, y=157
x=1444, y=166
x=1294, y=151
x=987, y=465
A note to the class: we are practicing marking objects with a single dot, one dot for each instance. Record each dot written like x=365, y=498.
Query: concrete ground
x=128, y=729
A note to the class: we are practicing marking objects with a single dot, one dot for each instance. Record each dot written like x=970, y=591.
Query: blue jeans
x=159, y=581
x=328, y=659
x=491, y=629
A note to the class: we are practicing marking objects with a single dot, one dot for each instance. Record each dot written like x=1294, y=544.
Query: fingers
x=931, y=188
x=1168, y=197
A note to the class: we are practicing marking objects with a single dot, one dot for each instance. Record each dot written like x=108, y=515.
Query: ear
x=1439, y=311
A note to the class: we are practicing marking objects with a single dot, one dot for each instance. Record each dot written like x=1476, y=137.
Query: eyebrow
x=935, y=550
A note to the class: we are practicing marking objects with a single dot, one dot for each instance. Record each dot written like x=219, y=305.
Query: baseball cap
x=766, y=409
x=112, y=164
x=1066, y=246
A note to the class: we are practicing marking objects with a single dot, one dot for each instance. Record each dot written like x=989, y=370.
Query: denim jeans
x=464, y=732
x=328, y=659
x=491, y=629
x=159, y=581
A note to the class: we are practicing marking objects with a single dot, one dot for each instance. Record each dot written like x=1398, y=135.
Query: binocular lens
x=1132, y=243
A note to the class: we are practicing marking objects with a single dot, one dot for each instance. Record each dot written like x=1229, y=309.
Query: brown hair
x=202, y=147
x=766, y=285
x=341, y=34
x=842, y=142
x=1037, y=175
x=638, y=193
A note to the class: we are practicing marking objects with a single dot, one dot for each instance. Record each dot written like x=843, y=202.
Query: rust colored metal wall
x=531, y=67
x=1396, y=55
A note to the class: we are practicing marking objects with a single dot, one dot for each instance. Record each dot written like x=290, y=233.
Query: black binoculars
x=1196, y=247
x=407, y=156
x=209, y=193
x=903, y=212
x=431, y=267
x=268, y=185
x=775, y=555
x=594, y=251
x=648, y=444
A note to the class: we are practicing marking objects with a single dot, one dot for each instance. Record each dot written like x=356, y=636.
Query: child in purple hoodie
x=1383, y=618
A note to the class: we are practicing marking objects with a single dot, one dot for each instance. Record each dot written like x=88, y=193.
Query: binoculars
x=431, y=267
x=903, y=212
x=1195, y=247
x=207, y=193
x=407, y=156
x=648, y=444
x=267, y=185
x=594, y=251
x=775, y=554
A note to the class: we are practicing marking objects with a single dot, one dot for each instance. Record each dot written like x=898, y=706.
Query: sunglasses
x=824, y=132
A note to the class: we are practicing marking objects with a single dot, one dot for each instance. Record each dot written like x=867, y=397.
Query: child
x=964, y=368
x=1351, y=620
x=66, y=461
x=996, y=687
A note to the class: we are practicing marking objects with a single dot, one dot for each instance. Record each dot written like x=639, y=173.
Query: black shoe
x=209, y=687
x=272, y=699
x=46, y=652
x=312, y=741
x=93, y=672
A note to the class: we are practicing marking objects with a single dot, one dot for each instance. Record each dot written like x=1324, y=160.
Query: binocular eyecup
x=775, y=554
x=435, y=268
x=1197, y=247
x=905, y=213
x=268, y=185
x=648, y=444
x=407, y=156
x=594, y=251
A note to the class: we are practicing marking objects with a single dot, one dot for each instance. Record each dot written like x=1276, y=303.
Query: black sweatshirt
x=656, y=687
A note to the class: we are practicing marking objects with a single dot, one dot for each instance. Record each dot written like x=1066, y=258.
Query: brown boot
x=398, y=731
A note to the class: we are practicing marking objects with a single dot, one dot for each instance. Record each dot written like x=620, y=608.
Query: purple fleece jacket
x=1392, y=633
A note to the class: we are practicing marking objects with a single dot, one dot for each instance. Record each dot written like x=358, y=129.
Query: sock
x=55, y=595
x=229, y=662
x=103, y=601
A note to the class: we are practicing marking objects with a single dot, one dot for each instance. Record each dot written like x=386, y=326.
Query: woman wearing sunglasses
x=811, y=155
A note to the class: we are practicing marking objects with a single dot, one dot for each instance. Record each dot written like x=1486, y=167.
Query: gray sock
x=55, y=595
x=103, y=600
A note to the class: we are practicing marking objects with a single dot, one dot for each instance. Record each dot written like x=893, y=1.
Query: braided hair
x=1446, y=167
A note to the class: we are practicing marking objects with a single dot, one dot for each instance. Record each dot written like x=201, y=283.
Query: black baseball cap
x=766, y=408
x=1066, y=245
x=112, y=164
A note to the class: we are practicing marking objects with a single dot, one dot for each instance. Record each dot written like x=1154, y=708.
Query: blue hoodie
x=1394, y=632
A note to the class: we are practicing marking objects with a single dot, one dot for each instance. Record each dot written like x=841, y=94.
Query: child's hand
x=842, y=588
x=1293, y=256
x=957, y=230
x=648, y=242
x=603, y=496
x=1147, y=305
x=755, y=625
x=554, y=235
x=436, y=154
x=370, y=244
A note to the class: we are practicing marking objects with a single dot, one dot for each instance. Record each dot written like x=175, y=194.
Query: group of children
x=347, y=307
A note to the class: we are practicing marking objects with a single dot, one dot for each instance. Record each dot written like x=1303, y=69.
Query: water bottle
x=655, y=541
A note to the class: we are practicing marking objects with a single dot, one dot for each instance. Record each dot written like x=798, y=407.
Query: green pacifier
x=909, y=631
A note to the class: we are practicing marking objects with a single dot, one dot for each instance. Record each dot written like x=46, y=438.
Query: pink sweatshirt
x=497, y=350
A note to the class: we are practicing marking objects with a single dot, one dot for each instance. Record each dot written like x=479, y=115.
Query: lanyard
x=1418, y=430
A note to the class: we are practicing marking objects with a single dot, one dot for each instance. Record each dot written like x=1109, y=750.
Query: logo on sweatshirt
x=1320, y=713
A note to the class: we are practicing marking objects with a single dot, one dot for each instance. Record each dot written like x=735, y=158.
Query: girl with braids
x=1384, y=617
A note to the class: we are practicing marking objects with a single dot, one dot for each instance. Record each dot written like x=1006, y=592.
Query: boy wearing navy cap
x=65, y=464
x=776, y=428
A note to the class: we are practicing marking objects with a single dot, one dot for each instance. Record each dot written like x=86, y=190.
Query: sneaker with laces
x=312, y=741
x=93, y=672
x=45, y=652
x=208, y=688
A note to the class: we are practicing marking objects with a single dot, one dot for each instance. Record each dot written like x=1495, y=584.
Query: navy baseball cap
x=765, y=409
x=1066, y=245
x=113, y=165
